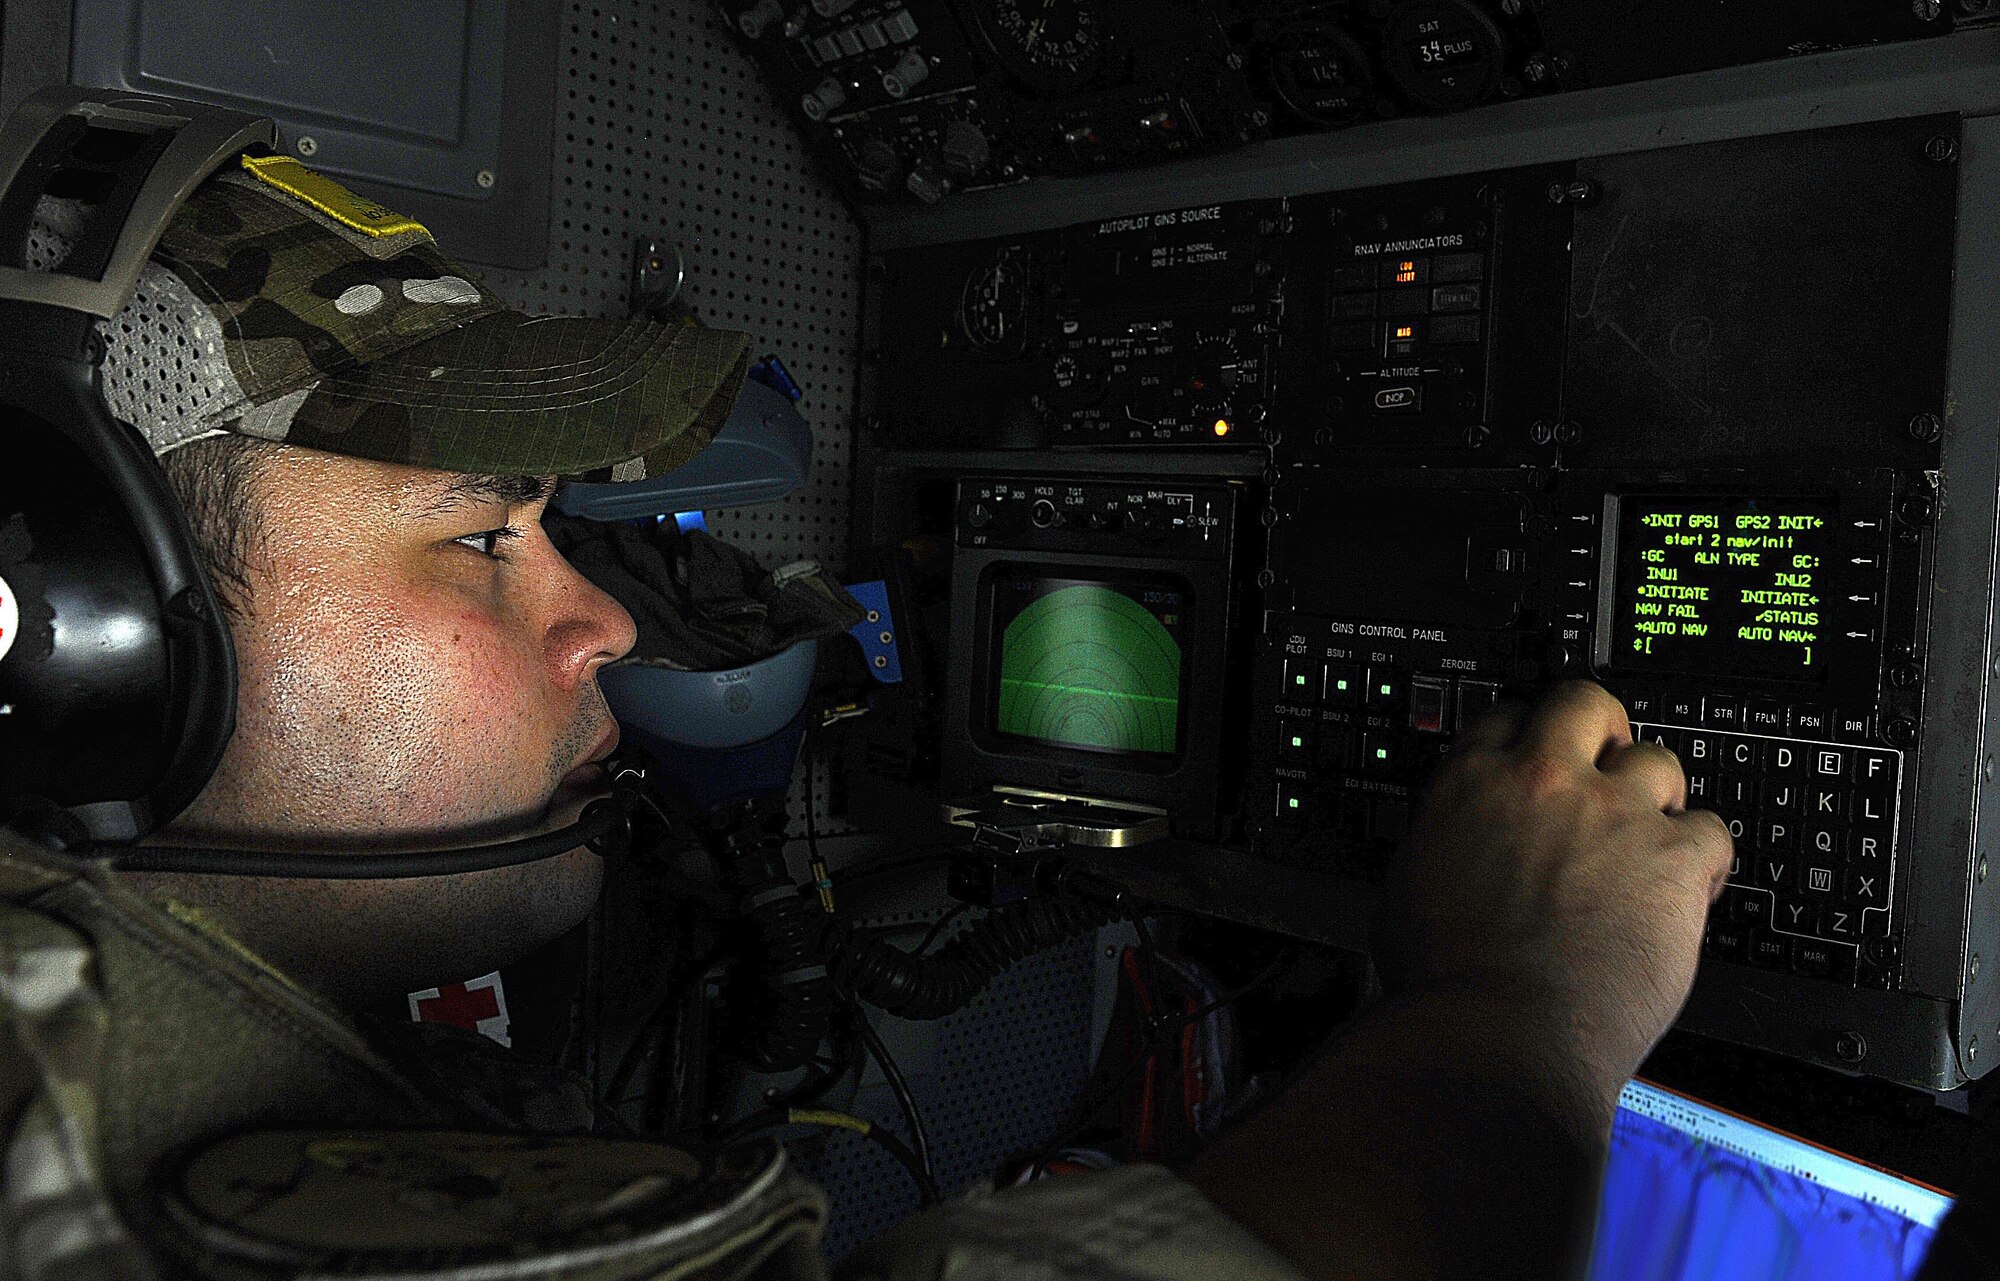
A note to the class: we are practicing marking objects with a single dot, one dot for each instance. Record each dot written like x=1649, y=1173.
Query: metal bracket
x=1013, y=821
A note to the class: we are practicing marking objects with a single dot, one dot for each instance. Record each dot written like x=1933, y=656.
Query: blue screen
x=1692, y=1192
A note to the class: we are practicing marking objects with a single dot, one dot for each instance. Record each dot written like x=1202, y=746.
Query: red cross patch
x=477, y=1005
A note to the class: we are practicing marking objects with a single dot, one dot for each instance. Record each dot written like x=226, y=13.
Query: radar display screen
x=1092, y=665
x=1724, y=586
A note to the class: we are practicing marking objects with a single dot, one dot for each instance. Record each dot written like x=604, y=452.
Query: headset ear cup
x=121, y=683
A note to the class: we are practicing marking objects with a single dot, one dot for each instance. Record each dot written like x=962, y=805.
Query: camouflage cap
x=282, y=306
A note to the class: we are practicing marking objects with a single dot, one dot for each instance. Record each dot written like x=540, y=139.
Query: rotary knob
x=877, y=165
x=965, y=149
x=760, y=18
x=911, y=70
x=979, y=516
x=822, y=102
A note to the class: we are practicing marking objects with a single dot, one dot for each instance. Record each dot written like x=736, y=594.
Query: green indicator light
x=1388, y=689
x=1298, y=680
x=1381, y=753
x=1343, y=685
x=1292, y=803
x=1297, y=741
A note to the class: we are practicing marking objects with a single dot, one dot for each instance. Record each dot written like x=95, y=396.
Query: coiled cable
x=930, y=987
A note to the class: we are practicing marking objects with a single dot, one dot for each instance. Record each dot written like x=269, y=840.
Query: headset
x=117, y=669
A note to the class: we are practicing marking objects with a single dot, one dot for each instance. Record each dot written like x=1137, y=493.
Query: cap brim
x=515, y=395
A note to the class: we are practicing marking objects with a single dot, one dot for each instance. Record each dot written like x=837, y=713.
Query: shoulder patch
x=329, y=197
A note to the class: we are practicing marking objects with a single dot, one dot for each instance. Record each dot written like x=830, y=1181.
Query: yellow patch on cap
x=330, y=198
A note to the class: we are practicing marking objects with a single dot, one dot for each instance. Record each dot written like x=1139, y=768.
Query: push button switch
x=1378, y=753
x=1428, y=705
x=1301, y=680
x=1343, y=684
x=1294, y=740
x=1291, y=803
x=1473, y=698
x=1385, y=686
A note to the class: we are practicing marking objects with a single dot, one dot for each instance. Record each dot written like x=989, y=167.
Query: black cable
x=890, y=863
x=603, y=822
x=929, y=987
x=897, y=1085
x=957, y=910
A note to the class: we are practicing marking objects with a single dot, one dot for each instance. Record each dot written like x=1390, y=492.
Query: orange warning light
x=1406, y=272
x=1406, y=331
x=1222, y=426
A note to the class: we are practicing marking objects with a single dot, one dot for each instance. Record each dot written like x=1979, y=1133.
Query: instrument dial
x=1213, y=374
x=1052, y=46
x=1447, y=55
x=994, y=303
x=1320, y=74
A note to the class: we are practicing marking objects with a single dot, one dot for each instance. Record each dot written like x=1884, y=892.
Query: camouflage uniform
x=175, y=1106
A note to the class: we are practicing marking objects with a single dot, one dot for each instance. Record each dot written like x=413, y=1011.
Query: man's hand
x=1539, y=935
x=1554, y=863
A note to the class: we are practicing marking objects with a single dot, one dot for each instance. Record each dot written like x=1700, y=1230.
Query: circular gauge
x=1320, y=74
x=1445, y=54
x=993, y=305
x=1052, y=46
x=1213, y=374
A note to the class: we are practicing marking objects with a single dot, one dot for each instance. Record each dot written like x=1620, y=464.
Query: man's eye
x=490, y=543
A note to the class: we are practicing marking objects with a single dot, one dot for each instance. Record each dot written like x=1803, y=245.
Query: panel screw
x=1234, y=61
x=1536, y=71
x=1110, y=951
x=1926, y=428
x=1476, y=437
x=1558, y=192
x=1972, y=1050
x=484, y=178
x=1941, y=150
x=1905, y=676
x=1569, y=432
x=881, y=661
x=307, y=145
x=1512, y=8
x=888, y=638
x=1974, y=6
x=1900, y=732
x=1265, y=578
x=1982, y=867
x=1851, y=1047
x=1917, y=509
x=1542, y=432
x=1269, y=517
x=1926, y=10
x=1975, y=965
x=1989, y=769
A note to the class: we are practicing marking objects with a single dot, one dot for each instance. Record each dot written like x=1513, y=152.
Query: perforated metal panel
x=663, y=129
x=1007, y=1070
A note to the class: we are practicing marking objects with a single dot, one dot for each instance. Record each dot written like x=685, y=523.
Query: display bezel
x=1857, y=529
x=988, y=654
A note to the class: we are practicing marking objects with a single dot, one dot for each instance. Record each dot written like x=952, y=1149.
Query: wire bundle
x=929, y=987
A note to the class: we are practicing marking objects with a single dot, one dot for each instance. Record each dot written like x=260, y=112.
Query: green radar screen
x=1090, y=665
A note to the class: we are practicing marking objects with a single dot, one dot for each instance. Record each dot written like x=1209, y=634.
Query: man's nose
x=591, y=631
